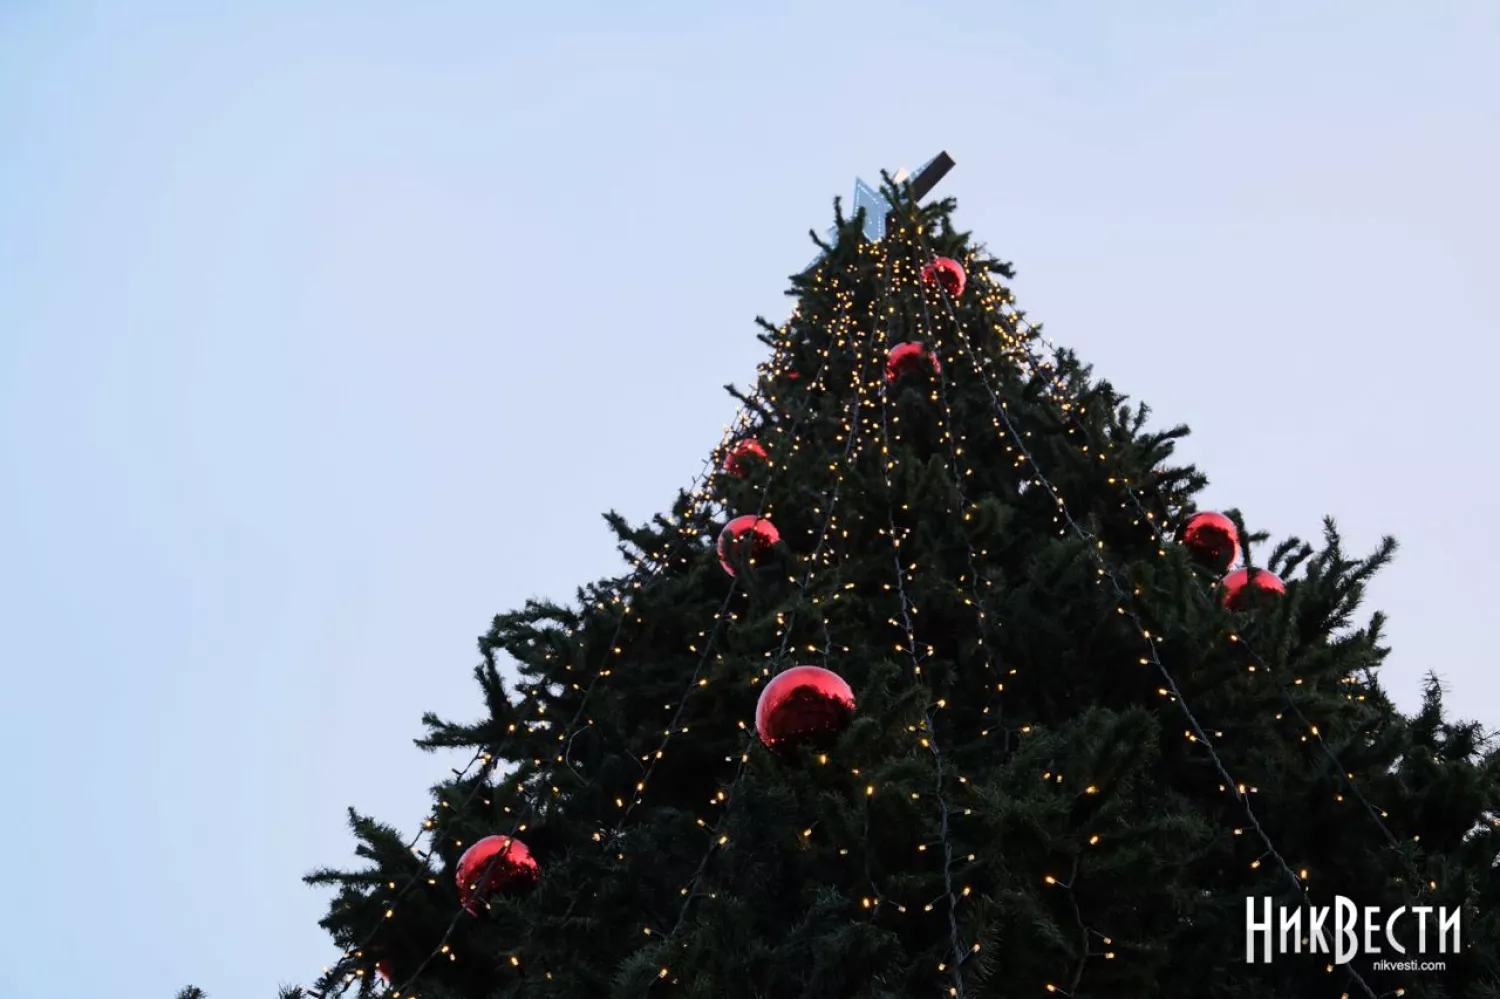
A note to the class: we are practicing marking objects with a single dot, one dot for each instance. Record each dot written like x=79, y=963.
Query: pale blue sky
x=327, y=330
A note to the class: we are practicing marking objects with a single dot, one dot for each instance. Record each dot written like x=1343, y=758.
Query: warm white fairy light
x=827, y=560
x=1018, y=439
x=644, y=569
x=1024, y=331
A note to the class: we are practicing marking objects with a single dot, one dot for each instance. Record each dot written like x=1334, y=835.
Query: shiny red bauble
x=905, y=358
x=803, y=706
x=383, y=970
x=496, y=865
x=746, y=538
x=1244, y=588
x=947, y=273
x=741, y=454
x=1212, y=539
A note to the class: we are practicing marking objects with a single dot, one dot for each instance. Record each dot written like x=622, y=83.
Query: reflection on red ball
x=745, y=538
x=496, y=865
x=905, y=358
x=1243, y=588
x=1212, y=539
x=383, y=970
x=737, y=460
x=803, y=706
x=946, y=272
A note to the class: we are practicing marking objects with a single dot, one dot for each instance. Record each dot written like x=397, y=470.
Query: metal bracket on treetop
x=878, y=208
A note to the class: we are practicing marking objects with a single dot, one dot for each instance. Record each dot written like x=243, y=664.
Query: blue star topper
x=877, y=206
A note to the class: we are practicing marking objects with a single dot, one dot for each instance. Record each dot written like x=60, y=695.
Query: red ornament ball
x=1243, y=588
x=905, y=358
x=496, y=865
x=1212, y=539
x=737, y=460
x=947, y=273
x=803, y=706
x=383, y=970
x=745, y=538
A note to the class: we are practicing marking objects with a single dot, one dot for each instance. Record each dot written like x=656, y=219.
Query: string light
x=785, y=622
x=647, y=568
x=1095, y=546
x=824, y=557
x=1025, y=332
x=1020, y=334
x=907, y=611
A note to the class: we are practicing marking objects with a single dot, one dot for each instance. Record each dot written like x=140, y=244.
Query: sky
x=328, y=330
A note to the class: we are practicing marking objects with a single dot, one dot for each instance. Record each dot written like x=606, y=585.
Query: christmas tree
x=1058, y=725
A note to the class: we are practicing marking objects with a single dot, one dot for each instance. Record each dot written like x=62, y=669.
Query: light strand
x=1094, y=546
x=646, y=569
x=886, y=463
x=524, y=812
x=830, y=500
x=1024, y=331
